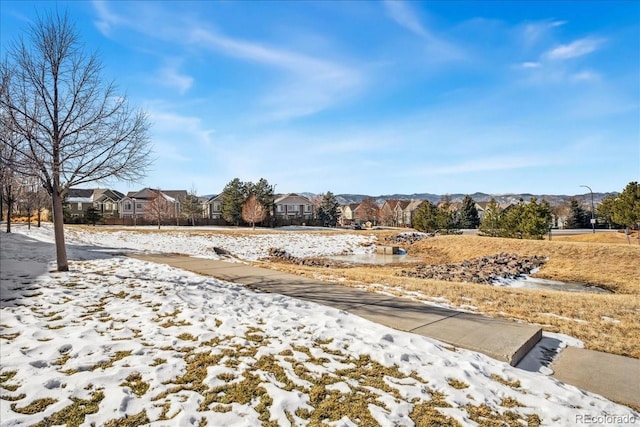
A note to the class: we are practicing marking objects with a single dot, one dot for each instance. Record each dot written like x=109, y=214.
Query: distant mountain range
x=552, y=199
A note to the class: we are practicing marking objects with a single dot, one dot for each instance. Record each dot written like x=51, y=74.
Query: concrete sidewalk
x=500, y=339
x=614, y=377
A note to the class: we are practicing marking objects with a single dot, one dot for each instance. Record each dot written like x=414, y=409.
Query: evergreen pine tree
x=446, y=217
x=264, y=193
x=626, y=209
x=606, y=210
x=92, y=215
x=328, y=211
x=468, y=215
x=491, y=224
x=512, y=225
x=233, y=197
x=578, y=217
x=426, y=217
x=536, y=219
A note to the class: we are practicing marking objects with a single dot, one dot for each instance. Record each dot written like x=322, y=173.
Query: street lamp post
x=593, y=220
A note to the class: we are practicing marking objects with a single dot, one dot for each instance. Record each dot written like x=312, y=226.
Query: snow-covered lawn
x=249, y=246
x=118, y=341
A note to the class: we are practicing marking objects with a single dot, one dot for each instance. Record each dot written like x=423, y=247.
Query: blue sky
x=374, y=97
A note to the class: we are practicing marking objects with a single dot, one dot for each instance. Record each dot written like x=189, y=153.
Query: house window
x=79, y=206
x=279, y=208
x=216, y=207
x=307, y=208
x=109, y=206
x=127, y=206
x=138, y=205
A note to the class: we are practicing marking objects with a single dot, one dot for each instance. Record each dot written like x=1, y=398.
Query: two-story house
x=134, y=204
x=107, y=202
x=347, y=216
x=293, y=206
x=214, y=207
x=78, y=200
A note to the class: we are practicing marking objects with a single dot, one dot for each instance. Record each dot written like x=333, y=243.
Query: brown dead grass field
x=605, y=322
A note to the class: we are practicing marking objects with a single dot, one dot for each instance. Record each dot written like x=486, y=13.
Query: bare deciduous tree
x=368, y=210
x=72, y=125
x=9, y=186
x=253, y=211
x=158, y=208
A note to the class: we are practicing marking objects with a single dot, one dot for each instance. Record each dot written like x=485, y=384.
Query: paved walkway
x=501, y=339
x=614, y=377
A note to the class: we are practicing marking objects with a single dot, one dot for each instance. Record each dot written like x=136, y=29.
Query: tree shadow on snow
x=24, y=259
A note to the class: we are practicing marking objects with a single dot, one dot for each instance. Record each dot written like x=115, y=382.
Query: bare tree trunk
x=39, y=216
x=29, y=217
x=9, y=209
x=58, y=230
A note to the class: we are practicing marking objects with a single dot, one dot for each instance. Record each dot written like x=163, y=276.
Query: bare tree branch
x=71, y=124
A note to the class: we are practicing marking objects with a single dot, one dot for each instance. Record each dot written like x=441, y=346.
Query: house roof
x=176, y=194
x=102, y=194
x=413, y=205
x=79, y=195
x=402, y=204
x=292, y=198
x=149, y=193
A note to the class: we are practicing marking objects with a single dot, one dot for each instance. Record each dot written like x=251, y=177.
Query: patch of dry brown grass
x=614, y=237
x=605, y=322
x=615, y=267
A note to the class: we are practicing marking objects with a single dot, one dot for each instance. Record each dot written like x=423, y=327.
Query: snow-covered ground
x=251, y=246
x=116, y=337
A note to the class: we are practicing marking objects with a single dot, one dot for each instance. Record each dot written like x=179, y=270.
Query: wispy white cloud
x=585, y=76
x=170, y=76
x=530, y=64
x=403, y=15
x=312, y=84
x=106, y=19
x=534, y=32
x=437, y=47
x=169, y=123
x=575, y=49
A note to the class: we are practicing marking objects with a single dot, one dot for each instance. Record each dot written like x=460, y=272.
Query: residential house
x=347, y=216
x=133, y=205
x=204, y=205
x=107, y=202
x=293, y=206
x=481, y=207
x=78, y=200
x=214, y=207
x=392, y=212
x=409, y=212
x=367, y=212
